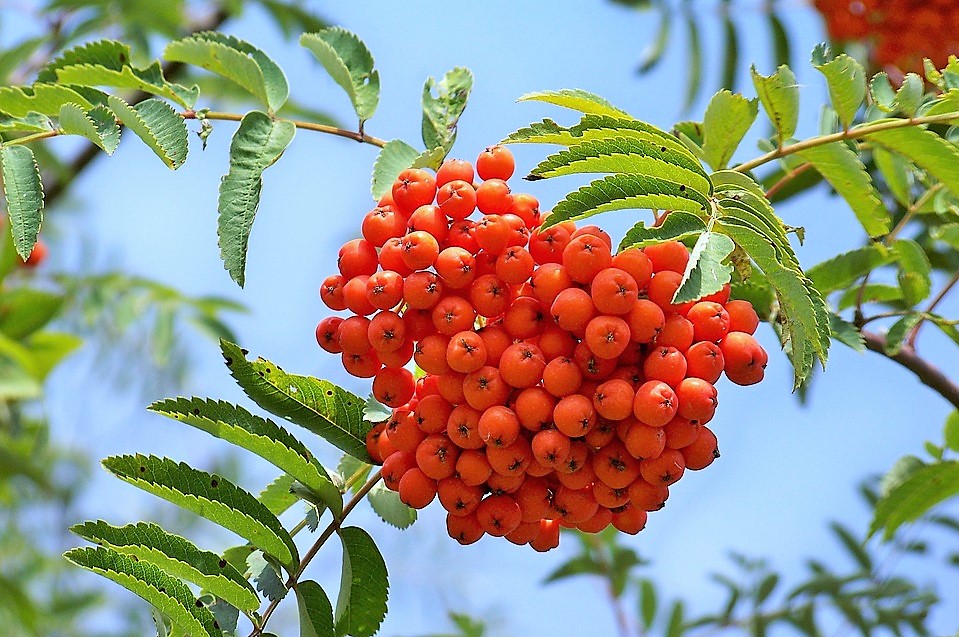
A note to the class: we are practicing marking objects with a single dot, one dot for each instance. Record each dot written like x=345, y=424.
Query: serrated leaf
x=395, y=157
x=43, y=98
x=592, y=127
x=24, y=194
x=120, y=75
x=577, y=100
x=176, y=556
x=390, y=508
x=350, y=63
x=871, y=293
x=158, y=125
x=625, y=155
x=706, y=273
x=266, y=574
x=24, y=310
x=906, y=99
x=924, y=148
x=353, y=471
x=227, y=615
x=375, y=411
x=914, y=270
x=779, y=94
x=236, y=60
x=258, y=435
x=844, y=269
x=361, y=603
x=327, y=410
x=647, y=603
x=30, y=123
x=316, y=611
x=898, y=331
x=846, y=80
x=728, y=117
x=846, y=333
x=171, y=596
x=951, y=431
x=98, y=125
x=619, y=192
x=676, y=226
x=947, y=233
x=257, y=144
x=277, y=496
x=432, y=159
x=895, y=172
x=923, y=489
x=845, y=172
x=212, y=497
x=442, y=111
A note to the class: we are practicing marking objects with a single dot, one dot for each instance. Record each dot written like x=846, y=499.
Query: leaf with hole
x=442, y=111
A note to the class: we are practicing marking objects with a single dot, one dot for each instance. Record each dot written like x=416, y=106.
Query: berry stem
x=852, y=133
x=328, y=532
x=928, y=374
x=361, y=137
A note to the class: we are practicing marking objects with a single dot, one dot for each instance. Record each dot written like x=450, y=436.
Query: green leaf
x=871, y=293
x=844, y=269
x=266, y=573
x=257, y=144
x=98, y=125
x=258, y=435
x=674, y=628
x=647, y=603
x=728, y=117
x=577, y=100
x=653, y=52
x=842, y=168
x=846, y=333
x=352, y=470
x=23, y=311
x=924, y=148
x=625, y=155
x=853, y=546
x=846, y=80
x=779, y=94
x=374, y=411
x=578, y=565
x=236, y=60
x=361, y=604
x=329, y=411
x=390, y=508
x=176, y=556
x=395, y=157
x=169, y=595
x=47, y=349
x=592, y=127
x=948, y=233
x=350, y=63
x=676, y=227
x=618, y=192
x=895, y=172
x=706, y=271
x=24, y=194
x=907, y=98
x=316, y=611
x=766, y=587
x=442, y=111
x=46, y=99
x=951, y=431
x=158, y=125
x=30, y=123
x=209, y=496
x=898, y=331
x=923, y=489
x=277, y=496
x=914, y=270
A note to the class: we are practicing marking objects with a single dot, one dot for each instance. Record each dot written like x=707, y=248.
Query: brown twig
x=927, y=373
x=361, y=137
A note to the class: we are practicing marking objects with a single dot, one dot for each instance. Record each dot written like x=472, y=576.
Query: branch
x=927, y=373
x=361, y=137
x=852, y=133
x=84, y=158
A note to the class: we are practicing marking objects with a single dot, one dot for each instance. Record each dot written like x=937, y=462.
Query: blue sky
x=785, y=471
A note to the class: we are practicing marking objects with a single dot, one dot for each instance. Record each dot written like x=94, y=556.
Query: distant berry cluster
x=562, y=387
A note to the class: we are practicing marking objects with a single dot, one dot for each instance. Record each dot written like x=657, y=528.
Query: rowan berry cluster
x=562, y=386
x=902, y=32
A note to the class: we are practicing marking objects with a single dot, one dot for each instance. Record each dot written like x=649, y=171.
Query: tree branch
x=927, y=373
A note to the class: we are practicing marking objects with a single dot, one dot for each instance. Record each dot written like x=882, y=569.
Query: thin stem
x=26, y=139
x=927, y=373
x=328, y=532
x=911, y=211
x=853, y=133
x=785, y=179
x=911, y=339
x=311, y=126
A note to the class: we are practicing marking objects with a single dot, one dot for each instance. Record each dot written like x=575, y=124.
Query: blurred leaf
x=580, y=565
x=694, y=66
x=841, y=271
x=730, y=50
x=951, y=431
x=924, y=488
x=766, y=587
x=647, y=603
x=23, y=311
x=853, y=546
x=655, y=49
x=914, y=270
x=349, y=62
x=924, y=148
x=675, y=628
x=895, y=172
